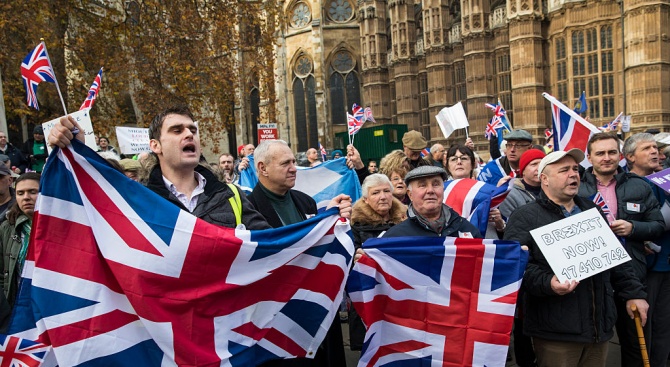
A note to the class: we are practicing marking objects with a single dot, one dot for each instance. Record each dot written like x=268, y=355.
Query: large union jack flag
x=570, y=129
x=118, y=276
x=18, y=352
x=473, y=199
x=436, y=301
x=36, y=68
x=93, y=91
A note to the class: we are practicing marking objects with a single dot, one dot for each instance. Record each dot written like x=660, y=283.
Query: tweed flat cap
x=425, y=171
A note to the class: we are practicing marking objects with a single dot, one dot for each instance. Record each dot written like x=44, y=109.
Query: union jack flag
x=612, y=125
x=446, y=302
x=424, y=152
x=368, y=115
x=354, y=124
x=570, y=129
x=498, y=123
x=154, y=285
x=599, y=200
x=36, y=68
x=358, y=113
x=474, y=199
x=323, y=152
x=18, y=352
x=93, y=92
x=548, y=133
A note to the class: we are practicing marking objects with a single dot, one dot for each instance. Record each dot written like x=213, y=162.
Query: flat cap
x=519, y=135
x=414, y=140
x=425, y=171
x=130, y=164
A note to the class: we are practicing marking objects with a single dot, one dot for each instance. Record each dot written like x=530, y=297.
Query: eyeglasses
x=518, y=146
x=463, y=158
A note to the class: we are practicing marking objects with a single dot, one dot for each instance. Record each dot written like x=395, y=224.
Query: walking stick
x=640, y=336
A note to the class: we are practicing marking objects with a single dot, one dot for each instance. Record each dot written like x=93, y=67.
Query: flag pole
x=62, y=101
x=466, y=133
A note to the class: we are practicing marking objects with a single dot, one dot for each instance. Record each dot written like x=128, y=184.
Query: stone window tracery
x=300, y=15
x=340, y=11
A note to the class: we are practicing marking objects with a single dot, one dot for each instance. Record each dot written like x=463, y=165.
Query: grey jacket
x=10, y=242
x=516, y=198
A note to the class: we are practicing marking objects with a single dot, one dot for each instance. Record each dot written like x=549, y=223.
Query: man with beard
x=634, y=213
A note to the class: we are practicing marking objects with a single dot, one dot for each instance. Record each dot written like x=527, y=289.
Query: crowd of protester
x=557, y=324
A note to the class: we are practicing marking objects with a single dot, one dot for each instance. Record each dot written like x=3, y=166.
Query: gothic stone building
x=415, y=57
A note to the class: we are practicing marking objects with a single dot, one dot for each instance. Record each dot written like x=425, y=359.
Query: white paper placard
x=133, y=140
x=83, y=118
x=580, y=246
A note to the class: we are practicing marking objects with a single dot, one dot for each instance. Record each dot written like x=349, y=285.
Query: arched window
x=344, y=86
x=304, y=104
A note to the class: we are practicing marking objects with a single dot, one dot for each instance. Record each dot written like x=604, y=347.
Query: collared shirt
x=608, y=192
x=575, y=210
x=189, y=203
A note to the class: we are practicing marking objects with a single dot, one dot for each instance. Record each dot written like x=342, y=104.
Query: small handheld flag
x=581, y=106
x=36, y=68
x=323, y=152
x=93, y=92
x=368, y=115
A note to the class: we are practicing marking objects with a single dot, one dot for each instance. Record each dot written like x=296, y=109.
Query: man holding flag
x=518, y=141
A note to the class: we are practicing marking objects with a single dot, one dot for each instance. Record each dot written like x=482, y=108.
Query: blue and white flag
x=322, y=183
x=116, y=275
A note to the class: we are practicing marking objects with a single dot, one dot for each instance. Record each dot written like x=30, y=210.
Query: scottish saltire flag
x=118, y=276
x=249, y=176
x=36, y=68
x=570, y=129
x=93, y=92
x=322, y=183
x=436, y=301
x=599, y=200
x=473, y=199
x=581, y=106
x=18, y=352
x=368, y=115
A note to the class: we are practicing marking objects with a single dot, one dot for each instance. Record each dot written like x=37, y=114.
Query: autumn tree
x=154, y=52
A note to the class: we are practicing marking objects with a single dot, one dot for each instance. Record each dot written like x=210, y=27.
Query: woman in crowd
x=395, y=166
x=460, y=162
x=374, y=213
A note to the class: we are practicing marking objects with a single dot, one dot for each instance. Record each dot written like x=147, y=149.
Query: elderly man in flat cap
x=413, y=143
x=427, y=215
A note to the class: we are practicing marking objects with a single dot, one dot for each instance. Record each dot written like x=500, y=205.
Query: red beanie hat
x=239, y=149
x=529, y=156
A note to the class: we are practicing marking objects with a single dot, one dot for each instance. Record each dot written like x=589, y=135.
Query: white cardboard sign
x=133, y=140
x=83, y=118
x=580, y=246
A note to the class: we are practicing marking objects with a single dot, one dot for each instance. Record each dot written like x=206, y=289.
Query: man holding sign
x=570, y=322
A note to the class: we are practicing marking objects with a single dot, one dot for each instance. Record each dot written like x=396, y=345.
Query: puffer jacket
x=213, y=204
x=588, y=314
x=366, y=223
x=10, y=240
x=647, y=222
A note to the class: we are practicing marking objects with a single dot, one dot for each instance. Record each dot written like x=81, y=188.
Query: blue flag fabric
x=117, y=276
x=581, y=106
x=322, y=183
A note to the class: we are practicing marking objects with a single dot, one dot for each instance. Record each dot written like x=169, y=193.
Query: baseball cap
x=4, y=170
x=425, y=171
x=414, y=140
x=554, y=157
x=38, y=130
x=529, y=156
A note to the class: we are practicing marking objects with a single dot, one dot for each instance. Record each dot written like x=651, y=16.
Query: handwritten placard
x=83, y=118
x=580, y=246
x=133, y=140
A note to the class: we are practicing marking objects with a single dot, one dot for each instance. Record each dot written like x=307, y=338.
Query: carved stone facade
x=429, y=54
x=411, y=58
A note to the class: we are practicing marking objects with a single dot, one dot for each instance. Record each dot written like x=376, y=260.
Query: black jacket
x=413, y=227
x=213, y=204
x=303, y=202
x=586, y=315
x=331, y=350
x=16, y=157
x=647, y=222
